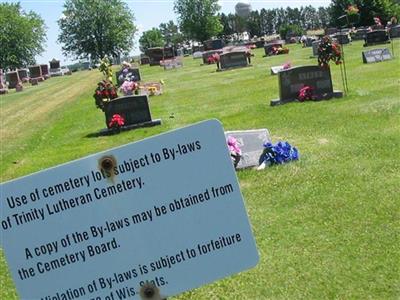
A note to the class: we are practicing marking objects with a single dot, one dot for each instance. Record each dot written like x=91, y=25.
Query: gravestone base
x=326, y=96
x=3, y=91
x=37, y=79
x=111, y=131
x=19, y=87
x=232, y=68
x=34, y=81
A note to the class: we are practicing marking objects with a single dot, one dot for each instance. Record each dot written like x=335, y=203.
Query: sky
x=148, y=14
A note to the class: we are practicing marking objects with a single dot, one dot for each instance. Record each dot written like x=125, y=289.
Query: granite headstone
x=155, y=56
x=315, y=46
x=234, y=59
x=36, y=73
x=293, y=79
x=360, y=34
x=45, y=71
x=207, y=54
x=134, y=109
x=342, y=38
x=144, y=60
x=376, y=37
x=394, y=32
x=268, y=48
x=213, y=44
x=13, y=79
x=23, y=75
x=251, y=144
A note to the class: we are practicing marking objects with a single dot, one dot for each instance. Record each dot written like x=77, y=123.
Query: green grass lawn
x=326, y=226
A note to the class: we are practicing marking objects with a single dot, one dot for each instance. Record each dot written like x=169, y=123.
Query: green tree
x=198, y=19
x=22, y=36
x=171, y=34
x=96, y=28
x=384, y=9
x=290, y=29
x=151, y=38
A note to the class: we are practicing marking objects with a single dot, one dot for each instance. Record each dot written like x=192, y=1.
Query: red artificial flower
x=116, y=121
x=306, y=93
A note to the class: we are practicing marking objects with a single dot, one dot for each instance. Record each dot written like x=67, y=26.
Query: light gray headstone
x=251, y=143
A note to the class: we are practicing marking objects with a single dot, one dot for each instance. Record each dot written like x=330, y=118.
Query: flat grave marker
x=251, y=144
x=293, y=79
x=173, y=63
x=104, y=225
x=376, y=55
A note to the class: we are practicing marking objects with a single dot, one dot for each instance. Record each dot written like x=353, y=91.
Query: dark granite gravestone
x=197, y=48
x=213, y=44
x=54, y=64
x=293, y=79
x=376, y=55
x=13, y=79
x=330, y=31
x=376, y=37
x=23, y=75
x=155, y=55
x=342, y=38
x=173, y=63
x=86, y=65
x=251, y=144
x=268, y=47
x=134, y=109
x=234, y=59
x=260, y=44
x=45, y=71
x=169, y=53
x=207, y=54
x=360, y=34
x=120, y=75
x=36, y=73
x=394, y=32
x=145, y=60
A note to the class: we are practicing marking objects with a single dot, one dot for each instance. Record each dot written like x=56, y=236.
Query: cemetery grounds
x=326, y=226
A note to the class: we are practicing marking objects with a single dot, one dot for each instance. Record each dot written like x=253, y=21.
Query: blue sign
x=166, y=210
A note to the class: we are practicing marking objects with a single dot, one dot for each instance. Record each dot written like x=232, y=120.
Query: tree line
x=93, y=29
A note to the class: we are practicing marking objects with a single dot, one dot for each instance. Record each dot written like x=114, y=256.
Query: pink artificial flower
x=233, y=145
